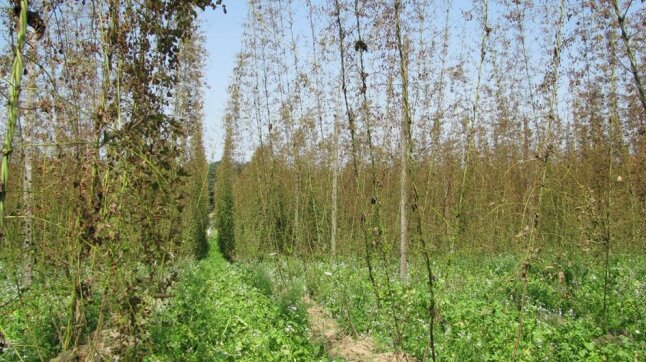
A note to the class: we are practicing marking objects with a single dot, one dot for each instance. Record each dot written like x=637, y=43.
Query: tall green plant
x=224, y=198
x=14, y=98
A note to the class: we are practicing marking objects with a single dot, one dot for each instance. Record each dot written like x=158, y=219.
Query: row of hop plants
x=510, y=161
x=106, y=189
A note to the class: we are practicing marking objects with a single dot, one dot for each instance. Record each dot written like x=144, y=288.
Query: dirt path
x=340, y=345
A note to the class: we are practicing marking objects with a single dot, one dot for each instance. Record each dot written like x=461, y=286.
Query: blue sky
x=223, y=36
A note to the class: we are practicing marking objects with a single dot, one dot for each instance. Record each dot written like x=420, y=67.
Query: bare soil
x=340, y=345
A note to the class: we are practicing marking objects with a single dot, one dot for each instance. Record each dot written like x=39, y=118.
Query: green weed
x=478, y=307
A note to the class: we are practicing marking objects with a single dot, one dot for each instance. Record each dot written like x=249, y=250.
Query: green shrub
x=261, y=279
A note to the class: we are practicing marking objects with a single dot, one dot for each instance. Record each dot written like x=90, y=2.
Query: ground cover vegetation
x=223, y=313
x=477, y=307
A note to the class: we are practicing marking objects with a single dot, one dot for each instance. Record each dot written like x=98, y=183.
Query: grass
x=478, y=313
x=254, y=311
x=216, y=313
x=219, y=315
x=30, y=320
